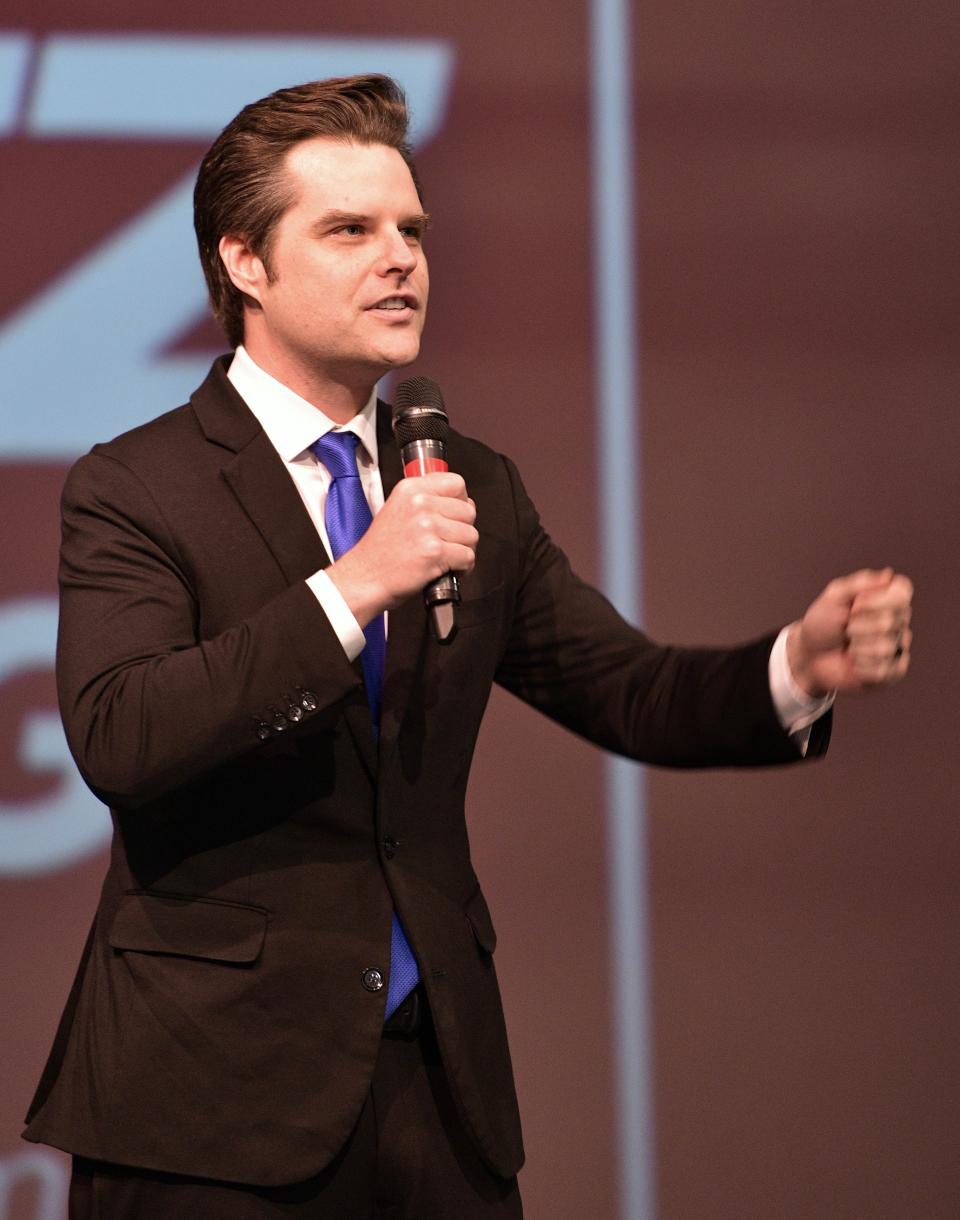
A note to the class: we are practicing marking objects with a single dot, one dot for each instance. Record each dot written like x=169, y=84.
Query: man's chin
x=373, y=366
x=400, y=357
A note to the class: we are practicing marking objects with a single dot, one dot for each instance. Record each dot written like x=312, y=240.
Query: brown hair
x=241, y=188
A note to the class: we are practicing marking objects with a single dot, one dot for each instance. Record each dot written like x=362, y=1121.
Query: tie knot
x=338, y=452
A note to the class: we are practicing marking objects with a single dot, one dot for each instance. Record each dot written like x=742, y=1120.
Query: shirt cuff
x=345, y=626
x=796, y=710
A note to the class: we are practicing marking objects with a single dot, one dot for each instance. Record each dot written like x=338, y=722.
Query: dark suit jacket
x=218, y=1025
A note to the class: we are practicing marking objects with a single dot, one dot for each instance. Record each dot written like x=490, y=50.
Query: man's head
x=244, y=187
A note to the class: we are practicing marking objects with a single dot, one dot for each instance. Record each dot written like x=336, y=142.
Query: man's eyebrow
x=332, y=218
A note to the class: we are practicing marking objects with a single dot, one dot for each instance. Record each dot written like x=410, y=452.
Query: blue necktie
x=347, y=518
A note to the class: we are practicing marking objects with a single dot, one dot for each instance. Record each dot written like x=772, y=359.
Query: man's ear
x=246, y=269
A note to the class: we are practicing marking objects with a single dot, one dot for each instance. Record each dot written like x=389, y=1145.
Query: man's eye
x=350, y=230
x=413, y=232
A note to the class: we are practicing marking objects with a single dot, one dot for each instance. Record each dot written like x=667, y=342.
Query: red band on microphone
x=424, y=465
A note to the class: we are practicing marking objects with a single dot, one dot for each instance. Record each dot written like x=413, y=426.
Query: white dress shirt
x=292, y=425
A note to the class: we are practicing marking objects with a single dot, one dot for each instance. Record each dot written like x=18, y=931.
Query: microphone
x=421, y=427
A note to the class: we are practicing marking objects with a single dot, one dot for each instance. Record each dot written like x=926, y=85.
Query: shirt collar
x=291, y=423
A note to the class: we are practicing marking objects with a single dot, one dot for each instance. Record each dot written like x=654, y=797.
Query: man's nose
x=398, y=254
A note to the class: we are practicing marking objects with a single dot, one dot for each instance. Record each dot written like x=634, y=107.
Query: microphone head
x=418, y=392
x=418, y=412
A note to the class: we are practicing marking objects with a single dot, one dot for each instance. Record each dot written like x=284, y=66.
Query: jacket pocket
x=188, y=927
x=478, y=913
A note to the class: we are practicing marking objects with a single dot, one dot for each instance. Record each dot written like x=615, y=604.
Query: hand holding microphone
x=421, y=426
x=425, y=531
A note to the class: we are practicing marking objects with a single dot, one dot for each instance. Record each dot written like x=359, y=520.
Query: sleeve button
x=308, y=701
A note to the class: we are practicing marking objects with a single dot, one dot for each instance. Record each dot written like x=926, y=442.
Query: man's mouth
x=395, y=304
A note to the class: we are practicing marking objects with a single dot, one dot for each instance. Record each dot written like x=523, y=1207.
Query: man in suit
x=287, y=1004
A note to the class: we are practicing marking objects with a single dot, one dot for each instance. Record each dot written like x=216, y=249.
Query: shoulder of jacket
x=156, y=436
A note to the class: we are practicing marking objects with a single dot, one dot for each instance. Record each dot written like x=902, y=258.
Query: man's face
x=346, y=297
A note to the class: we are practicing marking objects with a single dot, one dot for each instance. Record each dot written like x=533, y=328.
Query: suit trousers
x=408, y=1158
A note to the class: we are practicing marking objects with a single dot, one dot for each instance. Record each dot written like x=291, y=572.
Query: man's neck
x=339, y=398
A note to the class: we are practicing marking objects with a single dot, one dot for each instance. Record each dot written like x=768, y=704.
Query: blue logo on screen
x=88, y=356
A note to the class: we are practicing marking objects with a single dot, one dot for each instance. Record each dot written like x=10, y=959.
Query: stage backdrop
x=794, y=416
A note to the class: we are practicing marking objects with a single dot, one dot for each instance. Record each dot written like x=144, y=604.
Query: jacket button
x=372, y=979
x=308, y=701
x=390, y=847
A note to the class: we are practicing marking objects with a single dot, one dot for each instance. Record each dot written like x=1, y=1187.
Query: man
x=287, y=1004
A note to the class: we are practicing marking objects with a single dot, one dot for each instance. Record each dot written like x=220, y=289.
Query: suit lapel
x=261, y=483
x=258, y=478
x=406, y=633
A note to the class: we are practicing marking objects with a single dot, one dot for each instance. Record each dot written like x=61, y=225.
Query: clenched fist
x=856, y=634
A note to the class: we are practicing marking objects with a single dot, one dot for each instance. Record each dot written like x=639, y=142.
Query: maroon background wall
x=797, y=179
x=799, y=263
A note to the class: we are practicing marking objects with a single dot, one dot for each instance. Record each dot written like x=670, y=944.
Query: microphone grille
x=418, y=412
x=418, y=392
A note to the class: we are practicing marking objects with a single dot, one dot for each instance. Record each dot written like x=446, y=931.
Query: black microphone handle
x=440, y=595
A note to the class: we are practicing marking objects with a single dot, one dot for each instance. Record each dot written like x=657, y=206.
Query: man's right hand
x=424, y=529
